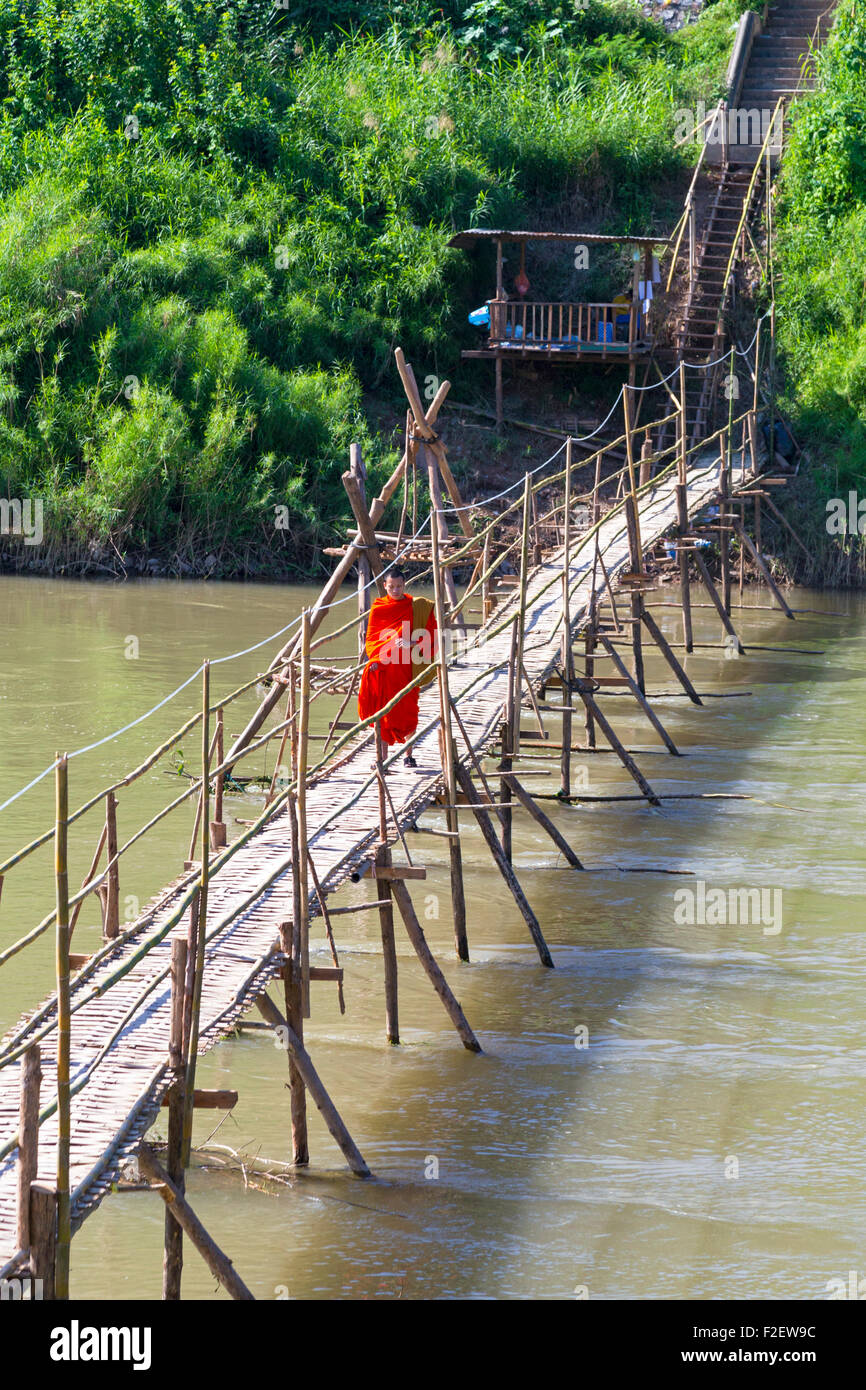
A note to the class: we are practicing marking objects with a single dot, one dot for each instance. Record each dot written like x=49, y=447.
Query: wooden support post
x=759, y=561
x=269, y=1011
x=682, y=555
x=64, y=1119
x=358, y=470
x=43, y=1237
x=567, y=653
x=521, y=614
x=28, y=1140
x=370, y=547
x=639, y=695
x=636, y=598
x=486, y=602
x=440, y=525
x=172, y=1265
x=431, y=967
x=483, y=818
x=536, y=535
x=218, y=1263
x=111, y=925
x=717, y=602
x=646, y=456
x=217, y=826
x=201, y=919
x=458, y=895
x=302, y=758
x=294, y=1000
x=625, y=757
x=544, y=821
x=742, y=564
x=665, y=649
x=386, y=910
x=505, y=790
x=724, y=533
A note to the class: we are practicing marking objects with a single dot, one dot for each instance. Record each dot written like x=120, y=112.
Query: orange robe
x=389, y=669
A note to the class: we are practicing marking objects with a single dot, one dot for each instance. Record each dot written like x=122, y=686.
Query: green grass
x=217, y=222
x=821, y=250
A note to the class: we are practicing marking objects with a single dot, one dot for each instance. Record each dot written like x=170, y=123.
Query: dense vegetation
x=218, y=219
x=821, y=250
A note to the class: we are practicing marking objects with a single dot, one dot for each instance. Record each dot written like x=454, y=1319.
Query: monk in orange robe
x=401, y=639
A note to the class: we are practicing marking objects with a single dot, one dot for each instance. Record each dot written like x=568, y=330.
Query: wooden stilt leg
x=639, y=695
x=717, y=602
x=544, y=821
x=665, y=649
x=625, y=758
x=415, y=933
x=759, y=561
x=218, y=1263
x=504, y=867
x=269, y=1011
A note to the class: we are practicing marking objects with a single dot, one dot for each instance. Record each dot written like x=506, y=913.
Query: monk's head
x=395, y=583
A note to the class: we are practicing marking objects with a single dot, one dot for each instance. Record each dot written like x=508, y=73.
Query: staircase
x=778, y=66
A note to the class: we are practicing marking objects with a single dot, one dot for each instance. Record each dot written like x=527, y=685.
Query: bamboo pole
x=635, y=597
x=357, y=468
x=567, y=654
x=303, y=748
x=386, y=910
x=201, y=925
x=293, y=994
x=28, y=1141
x=217, y=829
x=112, y=897
x=458, y=896
x=521, y=618
x=172, y=1265
x=64, y=1119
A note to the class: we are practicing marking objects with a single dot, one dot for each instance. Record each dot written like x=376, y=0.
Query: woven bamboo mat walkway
x=123, y=1097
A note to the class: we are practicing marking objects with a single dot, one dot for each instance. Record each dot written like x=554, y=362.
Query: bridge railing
x=305, y=682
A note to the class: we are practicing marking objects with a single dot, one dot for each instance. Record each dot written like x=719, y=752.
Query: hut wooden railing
x=575, y=326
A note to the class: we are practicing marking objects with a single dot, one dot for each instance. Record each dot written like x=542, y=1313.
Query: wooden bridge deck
x=121, y=1100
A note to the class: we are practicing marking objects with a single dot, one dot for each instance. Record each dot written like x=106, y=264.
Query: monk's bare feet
x=409, y=761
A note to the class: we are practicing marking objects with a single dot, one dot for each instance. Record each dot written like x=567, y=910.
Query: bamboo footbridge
x=84, y=1075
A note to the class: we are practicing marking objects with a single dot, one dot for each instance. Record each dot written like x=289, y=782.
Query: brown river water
x=707, y=1141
